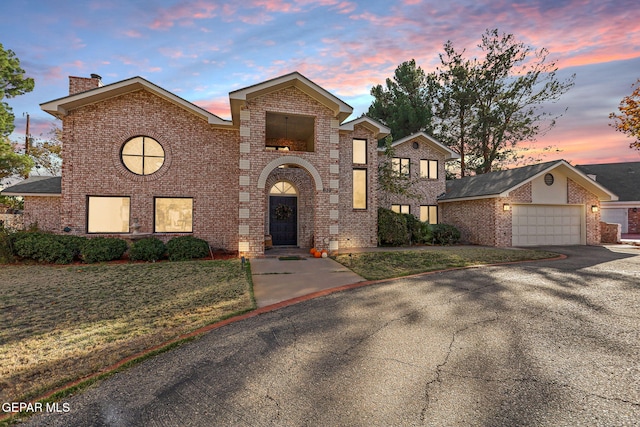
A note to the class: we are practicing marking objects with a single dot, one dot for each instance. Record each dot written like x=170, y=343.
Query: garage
x=534, y=225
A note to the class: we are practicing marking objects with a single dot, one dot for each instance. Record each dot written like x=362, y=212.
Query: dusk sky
x=203, y=49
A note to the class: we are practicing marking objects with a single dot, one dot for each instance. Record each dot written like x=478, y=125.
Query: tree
x=46, y=151
x=493, y=104
x=12, y=83
x=403, y=104
x=12, y=163
x=628, y=121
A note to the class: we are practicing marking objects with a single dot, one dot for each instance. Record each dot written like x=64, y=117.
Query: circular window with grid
x=142, y=155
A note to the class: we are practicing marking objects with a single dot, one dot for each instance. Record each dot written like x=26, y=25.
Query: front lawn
x=398, y=263
x=63, y=323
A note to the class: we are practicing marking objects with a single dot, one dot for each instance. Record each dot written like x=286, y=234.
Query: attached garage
x=543, y=225
x=546, y=204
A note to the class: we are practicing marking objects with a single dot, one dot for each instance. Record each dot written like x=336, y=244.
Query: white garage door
x=534, y=225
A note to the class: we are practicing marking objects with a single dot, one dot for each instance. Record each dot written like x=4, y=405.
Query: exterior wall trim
x=262, y=180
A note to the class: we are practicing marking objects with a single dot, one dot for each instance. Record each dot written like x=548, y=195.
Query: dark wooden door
x=283, y=220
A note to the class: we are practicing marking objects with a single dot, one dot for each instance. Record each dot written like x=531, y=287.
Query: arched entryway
x=283, y=214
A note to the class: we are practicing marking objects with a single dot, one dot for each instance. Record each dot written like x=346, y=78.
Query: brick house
x=287, y=169
x=550, y=203
x=621, y=178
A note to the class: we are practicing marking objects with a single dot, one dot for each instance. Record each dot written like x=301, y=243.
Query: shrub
x=149, y=249
x=445, y=234
x=44, y=247
x=414, y=228
x=187, y=247
x=392, y=228
x=101, y=249
x=6, y=247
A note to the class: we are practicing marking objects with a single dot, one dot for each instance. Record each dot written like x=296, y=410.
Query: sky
x=203, y=49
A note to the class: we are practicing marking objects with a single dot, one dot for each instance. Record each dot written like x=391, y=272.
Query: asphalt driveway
x=553, y=343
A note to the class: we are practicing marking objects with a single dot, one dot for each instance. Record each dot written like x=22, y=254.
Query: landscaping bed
x=62, y=323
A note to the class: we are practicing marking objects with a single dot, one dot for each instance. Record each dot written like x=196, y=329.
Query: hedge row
x=396, y=229
x=64, y=249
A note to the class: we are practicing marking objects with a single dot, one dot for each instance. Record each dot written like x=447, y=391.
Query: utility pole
x=26, y=138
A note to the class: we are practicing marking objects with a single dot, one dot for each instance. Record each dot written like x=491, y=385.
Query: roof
x=428, y=139
x=501, y=183
x=35, y=186
x=380, y=130
x=60, y=107
x=239, y=97
x=621, y=178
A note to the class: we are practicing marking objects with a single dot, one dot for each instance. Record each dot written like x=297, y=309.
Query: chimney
x=83, y=84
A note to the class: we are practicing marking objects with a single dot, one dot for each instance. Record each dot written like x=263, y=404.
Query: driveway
x=553, y=343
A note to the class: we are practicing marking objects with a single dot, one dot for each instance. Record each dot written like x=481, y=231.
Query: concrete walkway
x=277, y=278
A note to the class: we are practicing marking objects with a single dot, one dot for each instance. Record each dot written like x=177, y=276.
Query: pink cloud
x=219, y=106
x=184, y=12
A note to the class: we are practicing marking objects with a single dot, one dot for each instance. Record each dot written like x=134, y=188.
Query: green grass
x=385, y=265
x=63, y=323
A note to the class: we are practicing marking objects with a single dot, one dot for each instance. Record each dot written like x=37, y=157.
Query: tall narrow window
x=360, y=151
x=173, y=215
x=429, y=169
x=108, y=214
x=429, y=213
x=401, y=166
x=359, y=189
x=142, y=155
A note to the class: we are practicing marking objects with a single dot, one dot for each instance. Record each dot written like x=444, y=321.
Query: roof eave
x=62, y=106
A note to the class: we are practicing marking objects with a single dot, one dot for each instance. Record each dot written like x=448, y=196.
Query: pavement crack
x=440, y=367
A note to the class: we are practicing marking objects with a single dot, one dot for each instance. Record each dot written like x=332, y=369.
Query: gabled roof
x=60, y=107
x=621, y=178
x=379, y=130
x=428, y=139
x=501, y=183
x=238, y=98
x=35, y=186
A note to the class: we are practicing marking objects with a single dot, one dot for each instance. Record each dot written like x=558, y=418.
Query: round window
x=548, y=179
x=142, y=155
x=415, y=145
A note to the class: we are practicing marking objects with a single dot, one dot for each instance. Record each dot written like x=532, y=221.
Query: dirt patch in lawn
x=63, y=323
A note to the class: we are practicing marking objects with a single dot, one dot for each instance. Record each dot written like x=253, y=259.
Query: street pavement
x=550, y=343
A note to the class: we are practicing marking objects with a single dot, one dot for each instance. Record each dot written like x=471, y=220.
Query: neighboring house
x=287, y=167
x=420, y=158
x=42, y=206
x=624, y=180
x=550, y=203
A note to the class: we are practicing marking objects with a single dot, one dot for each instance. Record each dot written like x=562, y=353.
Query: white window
x=405, y=209
x=429, y=213
x=401, y=165
x=142, y=155
x=108, y=214
x=360, y=151
x=173, y=215
x=429, y=169
x=359, y=189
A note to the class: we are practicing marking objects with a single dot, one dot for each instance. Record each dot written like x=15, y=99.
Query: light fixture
x=506, y=207
x=594, y=209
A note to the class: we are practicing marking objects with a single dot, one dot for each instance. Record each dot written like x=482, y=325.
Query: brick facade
x=426, y=191
x=226, y=168
x=634, y=221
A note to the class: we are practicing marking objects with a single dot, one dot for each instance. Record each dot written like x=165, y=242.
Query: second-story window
x=429, y=169
x=360, y=151
x=401, y=166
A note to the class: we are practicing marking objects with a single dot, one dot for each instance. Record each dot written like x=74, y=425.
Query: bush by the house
x=392, y=228
x=102, y=249
x=187, y=247
x=6, y=247
x=445, y=234
x=46, y=247
x=148, y=249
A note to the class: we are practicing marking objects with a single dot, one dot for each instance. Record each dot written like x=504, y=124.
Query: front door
x=283, y=220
